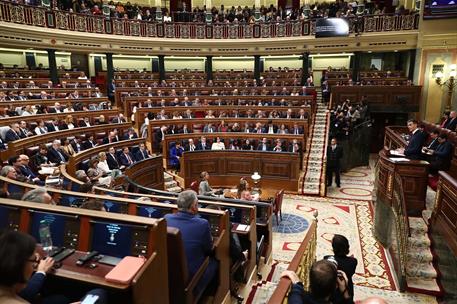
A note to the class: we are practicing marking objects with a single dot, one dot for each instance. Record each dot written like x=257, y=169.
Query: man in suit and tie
x=55, y=153
x=85, y=122
x=23, y=166
x=196, y=236
x=188, y=114
x=264, y=145
x=271, y=129
x=112, y=161
x=142, y=153
x=23, y=131
x=414, y=148
x=334, y=155
x=258, y=128
x=118, y=119
x=13, y=133
x=110, y=139
x=294, y=147
x=89, y=143
x=126, y=158
x=190, y=145
x=433, y=143
x=76, y=144
x=441, y=156
x=451, y=123
x=53, y=126
x=209, y=128
x=296, y=130
x=203, y=145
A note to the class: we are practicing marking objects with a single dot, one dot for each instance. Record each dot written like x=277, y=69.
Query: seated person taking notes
x=204, y=188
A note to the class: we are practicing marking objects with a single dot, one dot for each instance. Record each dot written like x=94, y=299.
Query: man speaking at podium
x=414, y=148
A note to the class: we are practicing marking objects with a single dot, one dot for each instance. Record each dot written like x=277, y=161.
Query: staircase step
x=420, y=255
x=417, y=225
x=170, y=184
x=174, y=189
x=421, y=241
x=421, y=270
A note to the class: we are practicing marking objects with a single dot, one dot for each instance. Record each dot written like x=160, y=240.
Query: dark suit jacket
x=87, y=144
x=200, y=147
x=196, y=235
x=112, y=161
x=433, y=144
x=124, y=161
x=414, y=148
x=451, y=124
x=33, y=287
x=334, y=156
x=11, y=135
x=53, y=156
x=140, y=155
x=442, y=156
x=51, y=127
x=260, y=147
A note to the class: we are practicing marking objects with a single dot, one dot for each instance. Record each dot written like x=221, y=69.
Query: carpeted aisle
x=346, y=211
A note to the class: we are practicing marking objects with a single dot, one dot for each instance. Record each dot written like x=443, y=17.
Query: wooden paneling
x=147, y=173
x=444, y=217
x=381, y=98
x=278, y=170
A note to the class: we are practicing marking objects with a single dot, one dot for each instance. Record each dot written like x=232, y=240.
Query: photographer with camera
x=327, y=285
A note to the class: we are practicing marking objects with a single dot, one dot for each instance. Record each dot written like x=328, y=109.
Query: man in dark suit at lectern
x=334, y=154
x=414, y=148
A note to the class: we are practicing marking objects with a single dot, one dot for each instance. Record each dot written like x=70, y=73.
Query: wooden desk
x=279, y=170
x=50, y=102
x=444, y=217
x=414, y=175
x=146, y=284
x=147, y=173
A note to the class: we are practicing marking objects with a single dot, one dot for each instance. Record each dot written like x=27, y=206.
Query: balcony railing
x=54, y=19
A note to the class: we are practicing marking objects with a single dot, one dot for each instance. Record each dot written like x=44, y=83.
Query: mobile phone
x=90, y=299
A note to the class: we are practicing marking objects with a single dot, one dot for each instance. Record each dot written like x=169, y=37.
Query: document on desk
x=395, y=152
x=242, y=227
x=398, y=159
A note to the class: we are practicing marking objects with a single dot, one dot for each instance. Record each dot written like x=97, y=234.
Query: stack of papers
x=395, y=152
x=242, y=227
x=398, y=159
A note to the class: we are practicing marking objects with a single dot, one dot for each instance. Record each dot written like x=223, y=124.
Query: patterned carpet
x=347, y=211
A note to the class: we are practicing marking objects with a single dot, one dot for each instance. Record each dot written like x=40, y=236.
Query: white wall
x=179, y=63
x=293, y=62
x=235, y=63
x=10, y=57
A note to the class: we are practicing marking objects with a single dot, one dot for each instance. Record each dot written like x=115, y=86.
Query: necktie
x=192, y=148
x=203, y=145
x=129, y=159
x=60, y=156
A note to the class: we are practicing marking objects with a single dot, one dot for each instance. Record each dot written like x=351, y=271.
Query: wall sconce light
x=449, y=83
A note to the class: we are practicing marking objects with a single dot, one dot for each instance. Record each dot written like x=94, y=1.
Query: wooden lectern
x=414, y=176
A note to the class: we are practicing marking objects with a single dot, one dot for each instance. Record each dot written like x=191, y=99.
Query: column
x=209, y=68
x=412, y=64
x=161, y=67
x=110, y=74
x=305, y=68
x=355, y=64
x=53, y=67
x=257, y=67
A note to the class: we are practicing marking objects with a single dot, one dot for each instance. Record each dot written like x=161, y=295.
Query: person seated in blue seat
x=196, y=235
x=24, y=272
